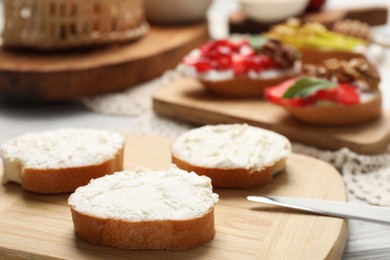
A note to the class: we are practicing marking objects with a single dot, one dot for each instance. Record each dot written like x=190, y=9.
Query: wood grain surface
x=36, y=226
x=186, y=99
x=85, y=72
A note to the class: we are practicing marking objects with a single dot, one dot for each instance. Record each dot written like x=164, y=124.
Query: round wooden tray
x=73, y=74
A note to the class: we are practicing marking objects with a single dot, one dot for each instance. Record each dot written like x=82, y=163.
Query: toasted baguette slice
x=249, y=85
x=233, y=156
x=61, y=160
x=340, y=115
x=317, y=56
x=146, y=209
x=244, y=87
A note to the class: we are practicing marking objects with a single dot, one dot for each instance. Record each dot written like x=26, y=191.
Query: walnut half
x=354, y=70
x=283, y=55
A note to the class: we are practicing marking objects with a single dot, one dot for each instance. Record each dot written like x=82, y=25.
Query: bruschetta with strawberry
x=241, y=67
x=336, y=93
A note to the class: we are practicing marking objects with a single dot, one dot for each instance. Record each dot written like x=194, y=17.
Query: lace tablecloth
x=367, y=177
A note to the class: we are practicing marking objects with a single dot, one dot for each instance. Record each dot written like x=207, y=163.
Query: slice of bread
x=61, y=160
x=233, y=156
x=245, y=87
x=368, y=110
x=145, y=209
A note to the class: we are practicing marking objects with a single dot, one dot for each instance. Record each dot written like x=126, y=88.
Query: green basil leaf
x=257, y=41
x=305, y=86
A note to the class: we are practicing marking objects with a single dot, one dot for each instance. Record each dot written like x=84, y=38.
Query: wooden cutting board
x=186, y=99
x=36, y=226
x=62, y=75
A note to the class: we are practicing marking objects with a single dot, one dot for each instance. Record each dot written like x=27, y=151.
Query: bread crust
x=233, y=178
x=339, y=115
x=317, y=56
x=175, y=235
x=64, y=180
x=243, y=87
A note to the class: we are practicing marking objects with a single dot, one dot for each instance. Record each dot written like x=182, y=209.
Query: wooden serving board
x=72, y=74
x=186, y=99
x=36, y=226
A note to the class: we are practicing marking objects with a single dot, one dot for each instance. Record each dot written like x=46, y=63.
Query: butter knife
x=375, y=214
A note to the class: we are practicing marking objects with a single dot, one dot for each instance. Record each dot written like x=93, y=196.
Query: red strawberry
x=254, y=63
x=202, y=66
x=225, y=54
x=275, y=93
x=238, y=65
x=345, y=94
x=267, y=63
x=224, y=63
x=259, y=62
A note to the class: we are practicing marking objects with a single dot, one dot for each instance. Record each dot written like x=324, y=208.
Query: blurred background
x=220, y=10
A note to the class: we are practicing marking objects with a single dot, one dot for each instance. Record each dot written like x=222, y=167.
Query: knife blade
x=375, y=214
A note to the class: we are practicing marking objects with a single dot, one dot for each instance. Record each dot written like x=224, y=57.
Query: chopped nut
x=284, y=56
x=367, y=71
x=354, y=28
x=340, y=70
x=315, y=70
x=357, y=69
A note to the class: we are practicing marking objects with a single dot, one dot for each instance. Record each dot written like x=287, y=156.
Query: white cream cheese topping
x=231, y=146
x=146, y=195
x=62, y=148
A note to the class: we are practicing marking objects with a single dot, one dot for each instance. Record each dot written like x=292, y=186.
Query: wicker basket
x=58, y=24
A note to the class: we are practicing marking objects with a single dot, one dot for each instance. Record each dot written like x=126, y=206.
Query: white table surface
x=366, y=241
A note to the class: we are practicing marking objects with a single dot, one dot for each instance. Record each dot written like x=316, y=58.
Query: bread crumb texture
x=231, y=146
x=146, y=195
x=61, y=148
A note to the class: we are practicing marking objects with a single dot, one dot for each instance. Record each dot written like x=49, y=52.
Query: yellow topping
x=312, y=35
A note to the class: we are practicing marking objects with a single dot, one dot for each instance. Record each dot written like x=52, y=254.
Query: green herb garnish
x=257, y=41
x=305, y=86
